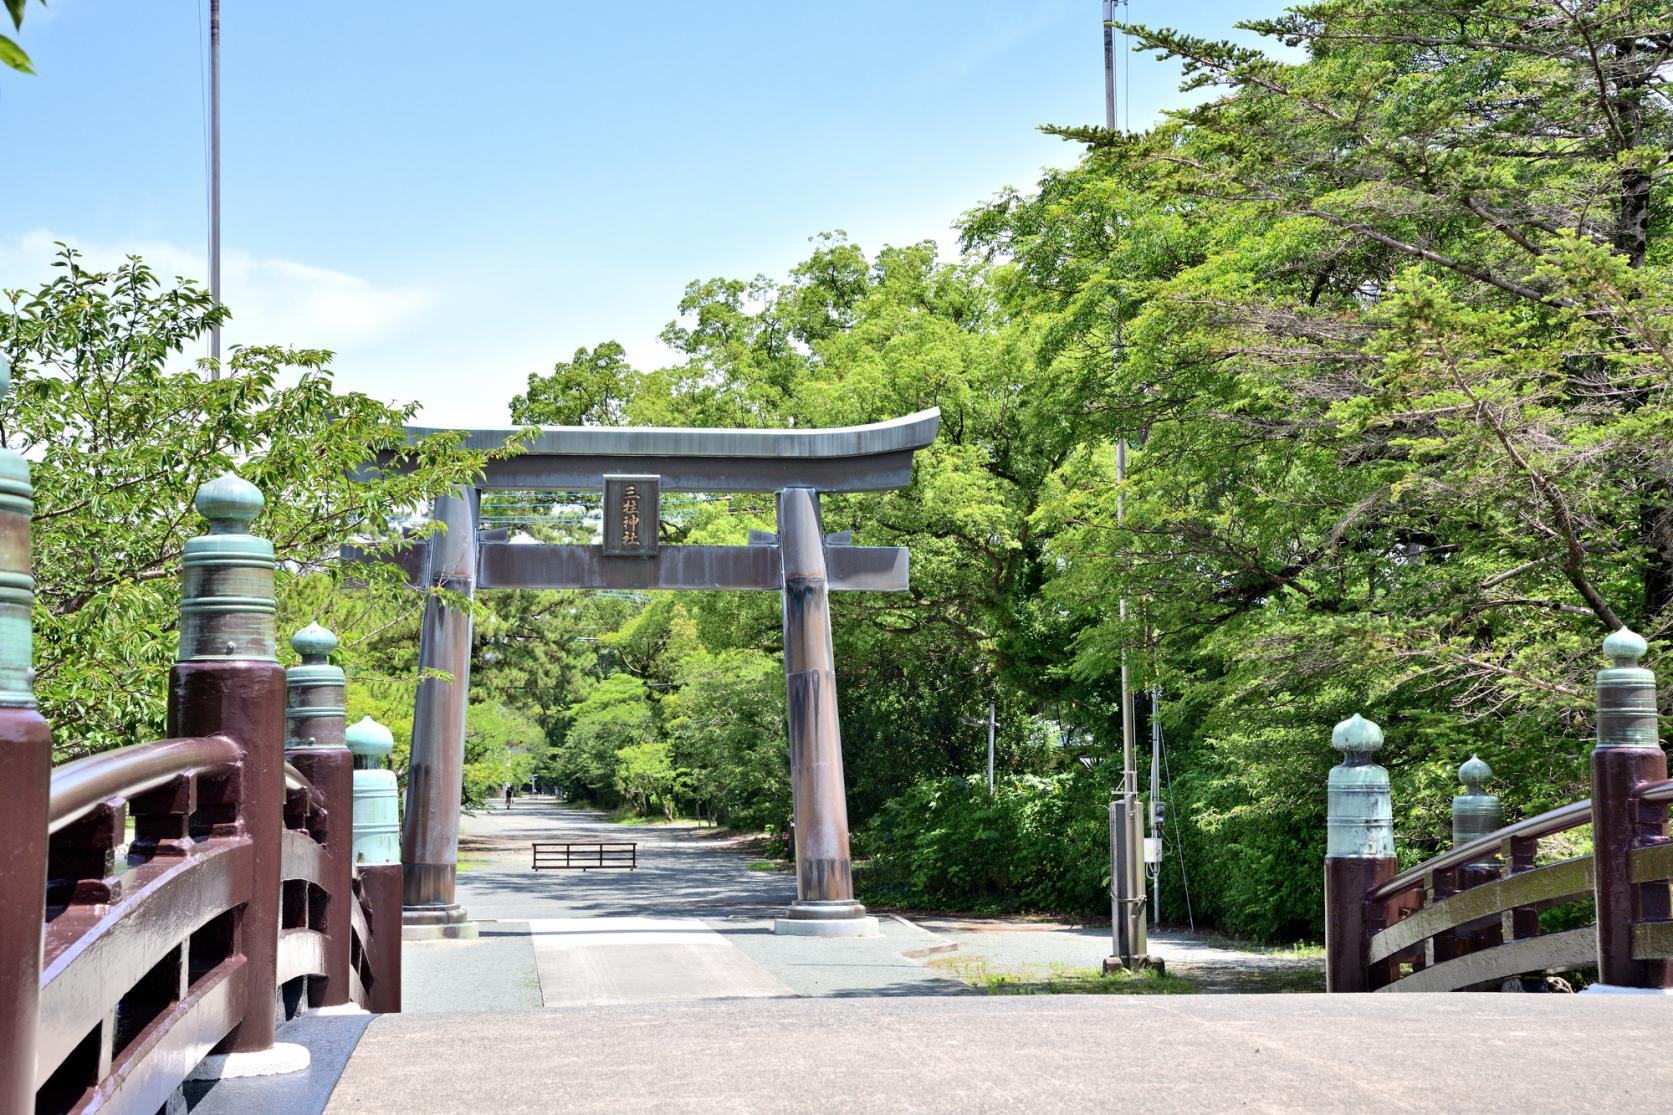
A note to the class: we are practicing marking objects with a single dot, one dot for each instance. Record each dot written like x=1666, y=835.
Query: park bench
x=585, y=855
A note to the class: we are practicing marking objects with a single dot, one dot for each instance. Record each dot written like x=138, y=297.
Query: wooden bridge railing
x=1470, y=917
x=174, y=899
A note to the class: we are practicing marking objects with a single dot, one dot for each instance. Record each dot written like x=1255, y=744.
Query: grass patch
x=1060, y=979
x=769, y=865
x=1301, y=950
x=469, y=863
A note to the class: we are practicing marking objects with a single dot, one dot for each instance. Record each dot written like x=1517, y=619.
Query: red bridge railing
x=170, y=900
x=1469, y=918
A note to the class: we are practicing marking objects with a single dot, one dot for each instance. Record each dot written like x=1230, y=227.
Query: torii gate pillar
x=824, y=903
x=435, y=774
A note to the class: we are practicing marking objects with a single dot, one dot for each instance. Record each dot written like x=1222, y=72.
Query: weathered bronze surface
x=25, y=760
x=823, y=871
x=435, y=778
x=316, y=746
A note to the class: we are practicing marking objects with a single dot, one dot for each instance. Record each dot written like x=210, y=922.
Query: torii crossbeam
x=633, y=467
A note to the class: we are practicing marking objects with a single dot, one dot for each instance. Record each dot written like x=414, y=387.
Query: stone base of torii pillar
x=824, y=905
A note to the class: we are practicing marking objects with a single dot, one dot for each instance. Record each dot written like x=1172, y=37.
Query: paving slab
x=494, y=971
x=1272, y=1053
x=604, y=961
x=843, y=965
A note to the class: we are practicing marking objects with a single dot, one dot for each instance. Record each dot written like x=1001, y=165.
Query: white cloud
x=273, y=300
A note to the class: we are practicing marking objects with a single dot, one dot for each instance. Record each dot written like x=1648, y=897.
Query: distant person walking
x=508, y=795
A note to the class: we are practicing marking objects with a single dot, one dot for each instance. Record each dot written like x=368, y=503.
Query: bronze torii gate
x=633, y=467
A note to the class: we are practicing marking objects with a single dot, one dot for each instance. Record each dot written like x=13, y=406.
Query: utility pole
x=215, y=182
x=1127, y=898
x=993, y=724
x=1153, y=846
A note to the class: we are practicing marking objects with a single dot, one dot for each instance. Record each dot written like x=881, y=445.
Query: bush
x=1039, y=844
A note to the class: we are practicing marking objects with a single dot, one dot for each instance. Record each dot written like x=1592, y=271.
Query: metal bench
x=586, y=855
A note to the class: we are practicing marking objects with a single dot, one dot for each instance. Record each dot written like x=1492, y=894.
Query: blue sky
x=452, y=196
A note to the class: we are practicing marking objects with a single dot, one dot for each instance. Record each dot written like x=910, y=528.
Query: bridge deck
x=1483, y=1053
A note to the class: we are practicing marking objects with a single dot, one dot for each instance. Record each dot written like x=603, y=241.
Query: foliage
x=617, y=714
x=10, y=53
x=1039, y=843
x=725, y=725
x=503, y=747
x=118, y=444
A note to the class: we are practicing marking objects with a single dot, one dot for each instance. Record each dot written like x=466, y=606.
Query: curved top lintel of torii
x=872, y=457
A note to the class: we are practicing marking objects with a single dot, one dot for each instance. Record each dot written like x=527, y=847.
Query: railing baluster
x=316, y=746
x=25, y=772
x=1628, y=754
x=377, y=854
x=1359, y=855
x=227, y=681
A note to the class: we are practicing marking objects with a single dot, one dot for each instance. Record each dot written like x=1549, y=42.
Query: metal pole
x=992, y=726
x=215, y=181
x=1155, y=867
x=1131, y=906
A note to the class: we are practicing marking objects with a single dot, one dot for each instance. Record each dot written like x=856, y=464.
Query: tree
x=725, y=726
x=617, y=714
x=646, y=775
x=119, y=442
x=503, y=747
x=592, y=389
x=1391, y=325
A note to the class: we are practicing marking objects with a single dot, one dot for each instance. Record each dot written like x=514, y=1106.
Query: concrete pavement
x=1279, y=1053
x=692, y=922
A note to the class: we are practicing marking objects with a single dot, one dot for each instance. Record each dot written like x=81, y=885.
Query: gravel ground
x=1037, y=949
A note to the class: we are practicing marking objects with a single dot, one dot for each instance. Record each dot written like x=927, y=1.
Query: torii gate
x=633, y=467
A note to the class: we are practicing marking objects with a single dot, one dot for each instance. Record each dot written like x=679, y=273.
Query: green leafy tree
x=725, y=726
x=503, y=747
x=592, y=389
x=617, y=714
x=120, y=436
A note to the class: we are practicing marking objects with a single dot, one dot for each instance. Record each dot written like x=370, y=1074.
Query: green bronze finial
x=1474, y=774
x=1626, y=695
x=17, y=586
x=1625, y=647
x=370, y=742
x=1356, y=736
x=315, y=692
x=314, y=643
x=230, y=503
x=226, y=606
x=1475, y=812
x=1360, y=819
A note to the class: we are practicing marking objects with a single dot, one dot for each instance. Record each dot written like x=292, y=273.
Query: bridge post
x=1359, y=855
x=824, y=903
x=26, y=774
x=435, y=776
x=1628, y=754
x=315, y=700
x=377, y=854
x=227, y=681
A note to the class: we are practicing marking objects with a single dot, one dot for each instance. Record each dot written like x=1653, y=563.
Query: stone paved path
x=691, y=923
x=1069, y=1053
